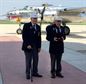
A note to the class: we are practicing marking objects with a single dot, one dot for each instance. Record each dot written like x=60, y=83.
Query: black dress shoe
x=37, y=75
x=27, y=76
x=59, y=75
x=53, y=76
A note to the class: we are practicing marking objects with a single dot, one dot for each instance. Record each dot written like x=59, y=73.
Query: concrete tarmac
x=12, y=64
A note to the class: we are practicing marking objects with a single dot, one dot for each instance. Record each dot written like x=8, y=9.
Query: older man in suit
x=56, y=37
x=31, y=46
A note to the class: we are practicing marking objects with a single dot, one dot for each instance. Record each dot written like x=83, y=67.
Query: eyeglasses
x=34, y=18
x=58, y=21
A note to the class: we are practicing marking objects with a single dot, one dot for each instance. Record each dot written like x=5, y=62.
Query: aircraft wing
x=73, y=11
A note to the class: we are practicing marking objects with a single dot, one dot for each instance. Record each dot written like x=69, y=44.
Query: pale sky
x=7, y=5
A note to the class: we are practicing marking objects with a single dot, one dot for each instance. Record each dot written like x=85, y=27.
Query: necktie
x=56, y=30
x=34, y=26
x=59, y=30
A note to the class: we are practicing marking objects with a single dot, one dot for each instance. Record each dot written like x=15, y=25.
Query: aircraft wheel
x=19, y=31
x=67, y=30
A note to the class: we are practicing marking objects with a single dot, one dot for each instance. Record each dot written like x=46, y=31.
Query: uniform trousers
x=31, y=58
x=56, y=63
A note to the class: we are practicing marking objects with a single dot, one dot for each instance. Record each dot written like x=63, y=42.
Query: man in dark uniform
x=56, y=35
x=31, y=46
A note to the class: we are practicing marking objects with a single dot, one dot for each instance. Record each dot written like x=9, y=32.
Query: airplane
x=44, y=11
x=47, y=10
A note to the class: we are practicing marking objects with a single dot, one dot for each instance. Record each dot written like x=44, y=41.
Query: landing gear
x=19, y=31
x=67, y=30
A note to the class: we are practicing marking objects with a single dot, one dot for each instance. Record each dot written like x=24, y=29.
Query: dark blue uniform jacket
x=31, y=36
x=53, y=31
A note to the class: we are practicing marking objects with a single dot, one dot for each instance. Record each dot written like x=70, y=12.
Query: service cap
x=57, y=18
x=33, y=15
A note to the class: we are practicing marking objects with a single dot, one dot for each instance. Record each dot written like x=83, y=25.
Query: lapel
x=30, y=25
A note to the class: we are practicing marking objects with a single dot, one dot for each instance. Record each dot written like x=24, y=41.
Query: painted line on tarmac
x=1, y=79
